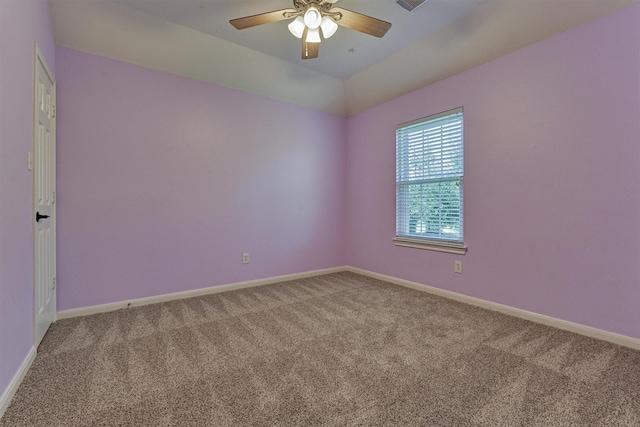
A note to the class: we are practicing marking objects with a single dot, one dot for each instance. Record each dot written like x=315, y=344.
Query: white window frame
x=431, y=241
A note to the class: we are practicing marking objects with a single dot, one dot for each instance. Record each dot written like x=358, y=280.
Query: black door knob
x=39, y=217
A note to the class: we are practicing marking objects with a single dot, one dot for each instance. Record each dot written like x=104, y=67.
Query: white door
x=44, y=149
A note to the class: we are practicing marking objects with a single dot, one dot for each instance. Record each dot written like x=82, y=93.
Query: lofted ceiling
x=335, y=59
x=354, y=71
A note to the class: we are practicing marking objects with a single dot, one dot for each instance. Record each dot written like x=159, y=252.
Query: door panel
x=44, y=198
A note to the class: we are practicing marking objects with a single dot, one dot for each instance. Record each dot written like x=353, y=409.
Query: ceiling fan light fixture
x=313, y=35
x=314, y=20
x=296, y=27
x=328, y=26
x=312, y=17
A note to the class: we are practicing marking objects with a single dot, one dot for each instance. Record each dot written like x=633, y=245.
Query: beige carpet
x=340, y=349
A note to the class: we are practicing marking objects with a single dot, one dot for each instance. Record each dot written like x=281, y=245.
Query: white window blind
x=429, y=178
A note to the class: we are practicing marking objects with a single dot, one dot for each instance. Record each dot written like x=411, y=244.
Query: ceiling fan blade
x=363, y=23
x=262, y=18
x=309, y=50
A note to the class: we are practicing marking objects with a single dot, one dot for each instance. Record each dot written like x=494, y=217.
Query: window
x=429, y=182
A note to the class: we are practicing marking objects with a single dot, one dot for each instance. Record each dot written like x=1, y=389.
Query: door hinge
x=53, y=198
x=53, y=288
x=53, y=111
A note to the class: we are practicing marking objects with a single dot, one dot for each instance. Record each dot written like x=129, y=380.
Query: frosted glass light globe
x=312, y=17
x=296, y=27
x=313, y=35
x=328, y=26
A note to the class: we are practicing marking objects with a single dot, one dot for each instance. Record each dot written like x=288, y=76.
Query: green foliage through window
x=429, y=178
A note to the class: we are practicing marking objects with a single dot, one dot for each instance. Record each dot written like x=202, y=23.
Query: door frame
x=39, y=58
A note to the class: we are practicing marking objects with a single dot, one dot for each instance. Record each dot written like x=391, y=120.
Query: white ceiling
x=212, y=17
x=193, y=38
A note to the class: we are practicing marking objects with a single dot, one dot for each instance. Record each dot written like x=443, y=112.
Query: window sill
x=431, y=245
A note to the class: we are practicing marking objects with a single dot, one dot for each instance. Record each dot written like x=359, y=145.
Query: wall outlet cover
x=457, y=266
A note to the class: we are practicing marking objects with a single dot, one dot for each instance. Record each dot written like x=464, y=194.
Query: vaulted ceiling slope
x=437, y=40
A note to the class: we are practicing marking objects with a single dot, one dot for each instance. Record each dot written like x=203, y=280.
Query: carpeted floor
x=339, y=349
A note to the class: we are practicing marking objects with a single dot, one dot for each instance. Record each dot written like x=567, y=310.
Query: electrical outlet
x=457, y=267
x=245, y=258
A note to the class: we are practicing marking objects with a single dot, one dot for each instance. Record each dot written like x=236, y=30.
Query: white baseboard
x=102, y=308
x=523, y=314
x=11, y=389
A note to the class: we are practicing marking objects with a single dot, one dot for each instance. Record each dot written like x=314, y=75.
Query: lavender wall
x=163, y=183
x=22, y=22
x=552, y=162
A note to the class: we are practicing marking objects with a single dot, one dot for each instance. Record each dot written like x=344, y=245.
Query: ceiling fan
x=311, y=16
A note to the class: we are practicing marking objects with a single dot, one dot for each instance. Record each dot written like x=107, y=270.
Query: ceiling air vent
x=411, y=4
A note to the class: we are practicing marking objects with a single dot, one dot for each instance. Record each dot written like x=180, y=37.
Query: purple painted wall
x=22, y=22
x=552, y=194
x=163, y=183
